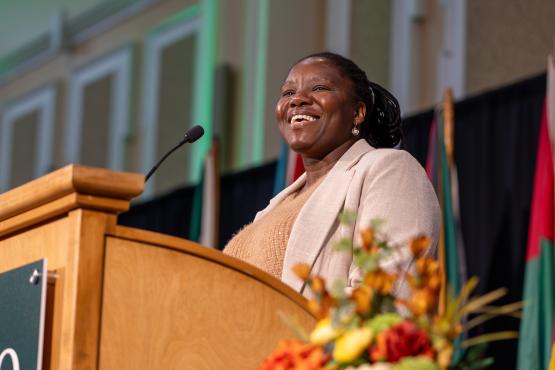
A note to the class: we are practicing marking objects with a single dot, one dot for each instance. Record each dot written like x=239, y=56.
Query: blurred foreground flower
x=363, y=330
x=352, y=344
x=296, y=355
x=402, y=340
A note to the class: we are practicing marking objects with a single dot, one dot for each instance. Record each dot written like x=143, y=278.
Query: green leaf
x=489, y=337
x=294, y=326
x=344, y=244
x=338, y=289
x=473, y=358
x=466, y=290
x=479, y=302
x=512, y=309
x=481, y=363
x=366, y=262
x=347, y=217
x=376, y=223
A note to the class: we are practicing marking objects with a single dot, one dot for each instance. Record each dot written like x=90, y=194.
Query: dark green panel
x=21, y=312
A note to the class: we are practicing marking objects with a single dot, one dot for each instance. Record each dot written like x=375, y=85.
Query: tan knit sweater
x=263, y=243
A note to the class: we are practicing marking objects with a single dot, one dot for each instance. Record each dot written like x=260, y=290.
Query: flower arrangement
x=373, y=327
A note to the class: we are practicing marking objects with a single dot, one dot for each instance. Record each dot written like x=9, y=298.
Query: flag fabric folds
x=535, y=347
x=205, y=215
x=442, y=171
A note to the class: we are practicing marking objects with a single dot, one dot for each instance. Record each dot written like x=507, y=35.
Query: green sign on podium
x=22, y=304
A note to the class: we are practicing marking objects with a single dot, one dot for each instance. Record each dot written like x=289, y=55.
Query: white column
x=338, y=26
x=451, y=58
x=400, y=75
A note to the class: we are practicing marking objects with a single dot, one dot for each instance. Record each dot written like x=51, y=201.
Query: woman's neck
x=318, y=168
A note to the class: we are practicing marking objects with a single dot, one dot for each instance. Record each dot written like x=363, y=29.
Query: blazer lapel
x=318, y=216
x=296, y=185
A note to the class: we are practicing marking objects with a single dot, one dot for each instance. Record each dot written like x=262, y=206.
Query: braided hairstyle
x=382, y=124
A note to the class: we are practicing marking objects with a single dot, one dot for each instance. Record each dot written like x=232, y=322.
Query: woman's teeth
x=302, y=117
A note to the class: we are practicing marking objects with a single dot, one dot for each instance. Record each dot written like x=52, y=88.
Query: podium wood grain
x=132, y=299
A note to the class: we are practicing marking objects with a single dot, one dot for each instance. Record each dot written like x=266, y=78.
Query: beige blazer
x=387, y=184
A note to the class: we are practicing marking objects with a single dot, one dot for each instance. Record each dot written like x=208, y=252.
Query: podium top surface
x=71, y=179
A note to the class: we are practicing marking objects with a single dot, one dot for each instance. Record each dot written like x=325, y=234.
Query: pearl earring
x=355, y=131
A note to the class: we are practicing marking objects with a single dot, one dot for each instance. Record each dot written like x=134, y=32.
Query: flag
x=289, y=168
x=535, y=344
x=205, y=215
x=442, y=171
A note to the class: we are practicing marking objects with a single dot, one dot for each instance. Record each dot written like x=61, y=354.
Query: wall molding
x=161, y=37
x=117, y=64
x=42, y=100
x=253, y=110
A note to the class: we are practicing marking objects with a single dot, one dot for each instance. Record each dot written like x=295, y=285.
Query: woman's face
x=317, y=110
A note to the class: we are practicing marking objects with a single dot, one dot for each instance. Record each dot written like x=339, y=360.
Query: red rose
x=402, y=340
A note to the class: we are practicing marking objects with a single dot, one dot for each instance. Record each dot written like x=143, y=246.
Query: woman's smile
x=316, y=110
x=300, y=120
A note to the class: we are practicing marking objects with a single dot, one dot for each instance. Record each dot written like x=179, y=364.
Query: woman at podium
x=348, y=133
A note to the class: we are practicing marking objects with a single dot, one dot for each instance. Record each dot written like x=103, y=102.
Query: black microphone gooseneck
x=192, y=135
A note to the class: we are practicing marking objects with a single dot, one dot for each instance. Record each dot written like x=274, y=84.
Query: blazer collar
x=352, y=156
x=316, y=220
x=347, y=160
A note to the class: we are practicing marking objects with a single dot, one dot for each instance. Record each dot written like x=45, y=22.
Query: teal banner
x=22, y=302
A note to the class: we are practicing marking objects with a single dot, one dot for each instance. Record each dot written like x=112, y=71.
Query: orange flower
x=419, y=245
x=318, y=285
x=421, y=302
x=427, y=275
x=378, y=352
x=302, y=270
x=380, y=281
x=320, y=308
x=367, y=236
x=362, y=297
x=296, y=355
x=427, y=266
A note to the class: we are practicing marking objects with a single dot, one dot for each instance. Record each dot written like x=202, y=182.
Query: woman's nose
x=299, y=99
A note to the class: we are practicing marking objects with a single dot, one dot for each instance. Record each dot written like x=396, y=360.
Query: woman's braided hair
x=382, y=124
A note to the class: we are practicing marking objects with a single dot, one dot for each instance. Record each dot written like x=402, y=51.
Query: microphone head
x=194, y=133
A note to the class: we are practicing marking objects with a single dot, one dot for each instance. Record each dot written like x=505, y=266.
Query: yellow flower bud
x=444, y=357
x=352, y=344
x=324, y=332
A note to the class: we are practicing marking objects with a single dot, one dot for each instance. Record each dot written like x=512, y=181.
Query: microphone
x=192, y=135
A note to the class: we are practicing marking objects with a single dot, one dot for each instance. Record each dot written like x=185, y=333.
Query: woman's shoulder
x=390, y=158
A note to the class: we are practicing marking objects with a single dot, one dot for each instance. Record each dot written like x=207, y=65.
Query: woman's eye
x=287, y=93
x=320, y=88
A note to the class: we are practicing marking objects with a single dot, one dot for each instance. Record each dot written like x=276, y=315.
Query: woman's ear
x=360, y=113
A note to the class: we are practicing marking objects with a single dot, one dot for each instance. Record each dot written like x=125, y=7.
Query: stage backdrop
x=496, y=135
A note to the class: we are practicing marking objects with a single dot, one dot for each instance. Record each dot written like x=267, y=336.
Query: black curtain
x=242, y=195
x=496, y=138
x=496, y=135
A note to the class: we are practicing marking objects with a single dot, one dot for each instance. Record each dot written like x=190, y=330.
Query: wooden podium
x=124, y=298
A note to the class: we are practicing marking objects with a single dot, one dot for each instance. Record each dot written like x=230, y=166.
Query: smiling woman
x=343, y=126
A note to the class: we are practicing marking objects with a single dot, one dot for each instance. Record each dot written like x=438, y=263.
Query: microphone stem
x=153, y=169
